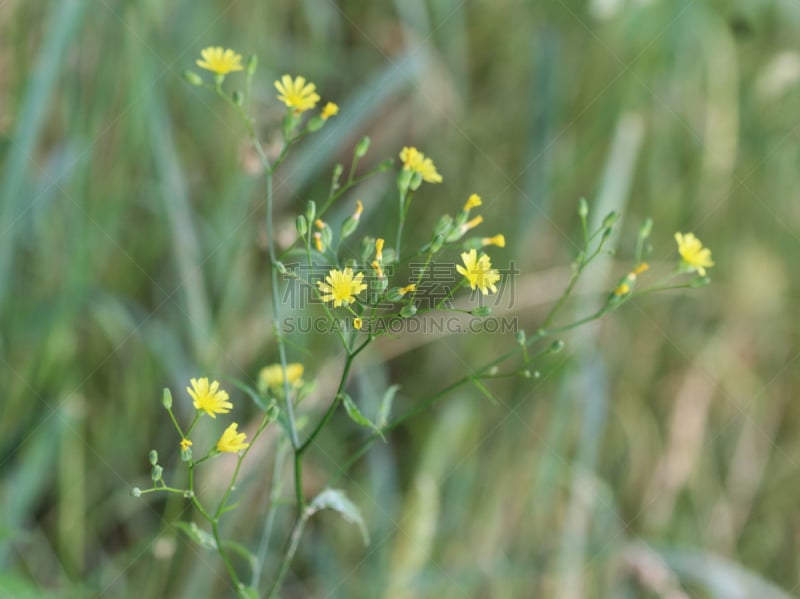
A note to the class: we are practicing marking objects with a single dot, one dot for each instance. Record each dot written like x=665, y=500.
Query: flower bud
x=349, y=226
x=385, y=165
x=156, y=473
x=166, y=399
x=238, y=98
x=153, y=457
x=521, y=337
x=362, y=147
x=302, y=225
x=252, y=64
x=556, y=346
x=443, y=225
x=136, y=492
x=192, y=78
x=482, y=311
x=311, y=210
x=583, y=208
x=408, y=311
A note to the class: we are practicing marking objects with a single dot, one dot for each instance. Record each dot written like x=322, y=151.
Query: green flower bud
x=386, y=165
x=699, y=282
x=166, y=399
x=302, y=225
x=610, y=219
x=416, y=181
x=349, y=227
x=646, y=228
x=238, y=98
x=136, y=492
x=153, y=457
x=280, y=266
x=408, y=311
x=583, y=208
x=252, y=64
x=404, y=180
x=389, y=256
x=521, y=337
x=367, y=249
x=316, y=123
x=362, y=147
x=556, y=346
x=327, y=236
x=443, y=225
x=156, y=473
x=311, y=210
x=394, y=295
x=482, y=311
x=436, y=244
x=186, y=454
x=192, y=78
x=473, y=243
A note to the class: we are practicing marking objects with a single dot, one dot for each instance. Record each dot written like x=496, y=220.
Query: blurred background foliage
x=656, y=456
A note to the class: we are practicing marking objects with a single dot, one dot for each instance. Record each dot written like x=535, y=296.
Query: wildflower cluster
x=357, y=283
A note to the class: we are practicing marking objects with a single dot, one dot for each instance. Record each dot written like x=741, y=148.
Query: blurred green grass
x=661, y=449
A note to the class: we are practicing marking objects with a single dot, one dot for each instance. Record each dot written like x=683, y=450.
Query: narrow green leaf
x=385, y=408
x=356, y=415
x=337, y=500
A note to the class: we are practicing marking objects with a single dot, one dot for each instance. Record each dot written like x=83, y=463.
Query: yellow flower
x=408, y=288
x=640, y=269
x=471, y=224
x=211, y=398
x=185, y=444
x=379, y=249
x=693, y=254
x=498, y=240
x=473, y=202
x=329, y=110
x=376, y=266
x=220, y=61
x=341, y=286
x=272, y=376
x=231, y=440
x=318, y=242
x=414, y=160
x=622, y=289
x=479, y=272
x=296, y=93
x=358, y=323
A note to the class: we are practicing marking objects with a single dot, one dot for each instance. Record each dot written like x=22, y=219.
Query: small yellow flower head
x=408, y=289
x=471, y=224
x=693, y=254
x=318, y=242
x=414, y=160
x=379, y=249
x=320, y=224
x=341, y=286
x=209, y=398
x=498, y=240
x=644, y=266
x=376, y=266
x=231, y=440
x=479, y=272
x=296, y=93
x=473, y=202
x=185, y=444
x=359, y=210
x=272, y=376
x=622, y=289
x=358, y=323
x=329, y=110
x=220, y=61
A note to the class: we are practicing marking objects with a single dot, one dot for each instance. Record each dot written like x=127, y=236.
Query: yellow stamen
x=185, y=444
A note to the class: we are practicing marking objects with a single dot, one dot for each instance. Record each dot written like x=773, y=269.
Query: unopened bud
x=556, y=346
x=362, y=147
x=166, y=399
x=136, y=492
x=482, y=311
x=302, y=225
x=311, y=210
x=238, y=98
x=153, y=457
x=408, y=311
x=252, y=64
x=156, y=473
x=192, y=78
x=583, y=208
